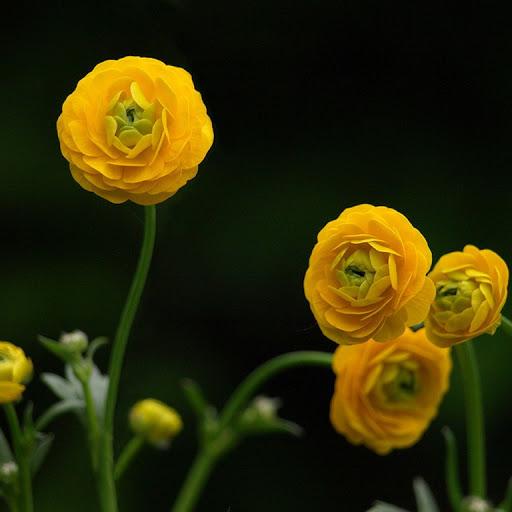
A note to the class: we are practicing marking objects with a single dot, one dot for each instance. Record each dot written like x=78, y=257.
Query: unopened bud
x=77, y=341
x=155, y=421
x=8, y=472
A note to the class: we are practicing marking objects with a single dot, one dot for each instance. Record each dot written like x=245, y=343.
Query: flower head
x=134, y=129
x=387, y=394
x=367, y=276
x=155, y=421
x=15, y=370
x=471, y=290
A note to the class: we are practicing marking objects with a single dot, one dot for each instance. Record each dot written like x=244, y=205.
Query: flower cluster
x=368, y=280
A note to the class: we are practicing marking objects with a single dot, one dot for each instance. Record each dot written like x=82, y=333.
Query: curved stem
x=474, y=419
x=55, y=411
x=26, y=501
x=214, y=447
x=130, y=451
x=254, y=380
x=107, y=487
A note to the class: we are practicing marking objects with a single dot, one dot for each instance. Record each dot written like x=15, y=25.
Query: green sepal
x=95, y=344
x=260, y=417
x=66, y=353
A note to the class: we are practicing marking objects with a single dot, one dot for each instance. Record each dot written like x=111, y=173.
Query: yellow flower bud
x=471, y=290
x=15, y=370
x=367, y=276
x=134, y=129
x=387, y=394
x=155, y=422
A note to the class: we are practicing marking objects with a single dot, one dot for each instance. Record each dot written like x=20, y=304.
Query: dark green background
x=316, y=107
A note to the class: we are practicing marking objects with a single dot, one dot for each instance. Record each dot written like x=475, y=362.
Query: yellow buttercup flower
x=155, y=421
x=15, y=370
x=471, y=292
x=367, y=276
x=134, y=129
x=387, y=394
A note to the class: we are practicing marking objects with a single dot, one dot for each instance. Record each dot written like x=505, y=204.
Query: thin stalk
x=210, y=452
x=26, y=500
x=106, y=467
x=474, y=419
x=92, y=424
x=254, y=380
x=130, y=451
x=196, y=479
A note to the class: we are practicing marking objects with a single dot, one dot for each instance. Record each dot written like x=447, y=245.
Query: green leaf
x=424, y=498
x=452, y=470
x=195, y=397
x=61, y=387
x=43, y=445
x=5, y=449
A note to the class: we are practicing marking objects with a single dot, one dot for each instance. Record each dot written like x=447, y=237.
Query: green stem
x=26, y=501
x=106, y=473
x=452, y=470
x=267, y=370
x=196, y=479
x=212, y=450
x=130, y=451
x=55, y=411
x=474, y=419
x=92, y=424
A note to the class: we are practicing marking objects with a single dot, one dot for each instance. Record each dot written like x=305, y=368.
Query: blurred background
x=315, y=107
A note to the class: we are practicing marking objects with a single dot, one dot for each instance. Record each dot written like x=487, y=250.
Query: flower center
x=361, y=275
x=132, y=124
x=404, y=386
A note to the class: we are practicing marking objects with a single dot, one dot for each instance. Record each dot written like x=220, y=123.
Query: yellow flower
x=155, y=422
x=134, y=129
x=15, y=370
x=387, y=394
x=471, y=292
x=367, y=276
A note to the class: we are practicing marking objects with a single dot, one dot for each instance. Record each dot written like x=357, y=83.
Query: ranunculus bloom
x=15, y=370
x=155, y=421
x=367, y=276
x=134, y=129
x=471, y=292
x=387, y=394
